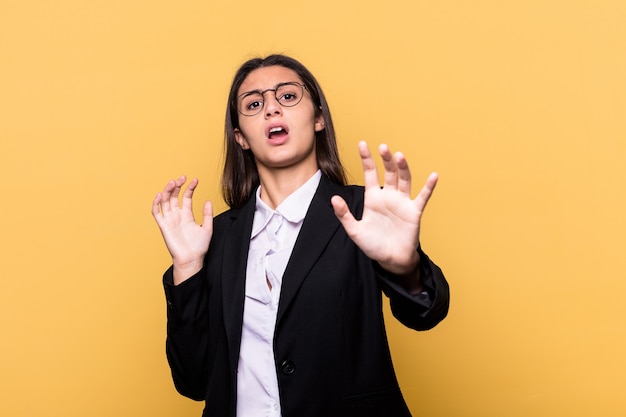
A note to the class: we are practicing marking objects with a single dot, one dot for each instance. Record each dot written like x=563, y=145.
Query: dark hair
x=240, y=177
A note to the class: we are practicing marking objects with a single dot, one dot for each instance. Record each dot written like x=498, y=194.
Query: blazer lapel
x=319, y=226
x=236, y=244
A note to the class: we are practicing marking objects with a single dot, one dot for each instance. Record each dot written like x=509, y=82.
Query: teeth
x=276, y=129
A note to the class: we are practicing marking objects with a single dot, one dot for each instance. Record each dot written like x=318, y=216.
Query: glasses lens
x=250, y=104
x=289, y=94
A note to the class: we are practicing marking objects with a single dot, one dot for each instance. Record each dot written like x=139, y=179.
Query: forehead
x=267, y=77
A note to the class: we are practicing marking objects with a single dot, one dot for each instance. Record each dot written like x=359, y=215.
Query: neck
x=278, y=184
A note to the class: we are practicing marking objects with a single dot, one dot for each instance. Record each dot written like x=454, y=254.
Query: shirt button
x=287, y=367
x=275, y=406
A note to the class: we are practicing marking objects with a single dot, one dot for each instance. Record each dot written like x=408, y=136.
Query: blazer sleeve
x=422, y=311
x=187, y=330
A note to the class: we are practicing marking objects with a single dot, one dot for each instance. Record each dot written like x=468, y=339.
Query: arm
x=185, y=287
x=187, y=330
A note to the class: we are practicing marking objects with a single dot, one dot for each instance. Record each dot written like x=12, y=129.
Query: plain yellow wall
x=519, y=105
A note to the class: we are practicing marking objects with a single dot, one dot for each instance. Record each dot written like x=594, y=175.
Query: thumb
x=207, y=215
x=343, y=214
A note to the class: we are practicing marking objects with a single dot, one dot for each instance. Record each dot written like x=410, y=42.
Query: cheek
x=248, y=128
x=309, y=120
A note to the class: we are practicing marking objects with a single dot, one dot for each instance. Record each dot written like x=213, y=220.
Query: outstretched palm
x=389, y=229
x=186, y=240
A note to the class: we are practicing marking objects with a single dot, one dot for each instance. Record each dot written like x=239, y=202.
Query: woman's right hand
x=187, y=241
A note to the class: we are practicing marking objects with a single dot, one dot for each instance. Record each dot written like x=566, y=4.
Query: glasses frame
x=275, y=90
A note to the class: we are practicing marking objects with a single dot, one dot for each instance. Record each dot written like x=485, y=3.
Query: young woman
x=275, y=306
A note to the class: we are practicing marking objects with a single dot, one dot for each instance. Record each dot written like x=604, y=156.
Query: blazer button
x=287, y=367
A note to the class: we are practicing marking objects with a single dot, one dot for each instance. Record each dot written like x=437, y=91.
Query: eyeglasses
x=287, y=94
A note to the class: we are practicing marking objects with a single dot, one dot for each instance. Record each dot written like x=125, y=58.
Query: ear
x=319, y=123
x=241, y=140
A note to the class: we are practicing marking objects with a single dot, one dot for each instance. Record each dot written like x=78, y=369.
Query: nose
x=272, y=106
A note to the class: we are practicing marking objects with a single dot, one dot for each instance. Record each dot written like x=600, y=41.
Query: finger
x=165, y=195
x=207, y=216
x=188, y=194
x=156, y=207
x=343, y=214
x=370, y=174
x=176, y=191
x=404, y=174
x=427, y=191
x=391, y=169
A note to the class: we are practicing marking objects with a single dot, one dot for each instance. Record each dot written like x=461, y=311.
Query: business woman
x=275, y=306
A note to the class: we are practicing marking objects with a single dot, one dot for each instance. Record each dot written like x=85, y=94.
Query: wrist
x=184, y=271
x=407, y=275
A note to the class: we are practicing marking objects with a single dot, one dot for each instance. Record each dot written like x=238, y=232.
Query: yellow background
x=519, y=105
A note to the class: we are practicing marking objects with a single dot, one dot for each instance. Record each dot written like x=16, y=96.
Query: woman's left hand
x=389, y=229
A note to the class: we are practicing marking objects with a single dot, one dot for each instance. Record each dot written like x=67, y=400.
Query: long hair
x=241, y=177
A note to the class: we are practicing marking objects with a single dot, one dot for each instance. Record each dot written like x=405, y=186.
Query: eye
x=251, y=103
x=289, y=93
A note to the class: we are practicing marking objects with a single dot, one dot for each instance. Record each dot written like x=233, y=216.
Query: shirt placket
x=273, y=230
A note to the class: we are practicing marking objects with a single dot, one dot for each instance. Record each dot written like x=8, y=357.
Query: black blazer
x=331, y=352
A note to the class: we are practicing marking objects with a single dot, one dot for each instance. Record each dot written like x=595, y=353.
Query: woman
x=275, y=306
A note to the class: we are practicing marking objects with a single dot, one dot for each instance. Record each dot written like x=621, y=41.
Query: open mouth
x=276, y=132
